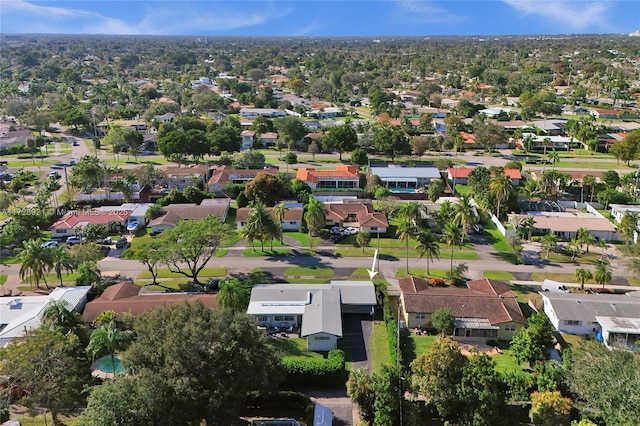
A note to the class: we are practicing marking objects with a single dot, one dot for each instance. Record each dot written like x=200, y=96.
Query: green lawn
x=463, y=189
x=359, y=273
x=498, y=275
x=496, y=239
x=205, y=273
x=379, y=346
x=3, y=279
x=299, y=271
x=401, y=252
x=422, y=344
x=52, y=278
x=506, y=362
x=523, y=293
x=249, y=252
x=294, y=348
x=586, y=164
x=302, y=238
x=557, y=276
x=422, y=273
x=564, y=256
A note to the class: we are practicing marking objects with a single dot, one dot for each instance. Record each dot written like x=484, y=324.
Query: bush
x=325, y=372
x=437, y=282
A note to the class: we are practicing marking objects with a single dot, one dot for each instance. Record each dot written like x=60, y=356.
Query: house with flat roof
x=268, y=139
x=615, y=317
x=316, y=310
x=262, y=112
x=292, y=220
x=565, y=224
x=357, y=214
x=20, y=314
x=485, y=310
x=405, y=179
x=126, y=297
x=343, y=177
x=216, y=207
x=226, y=175
x=327, y=112
x=618, y=210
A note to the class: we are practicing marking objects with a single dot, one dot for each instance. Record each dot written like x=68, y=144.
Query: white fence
x=504, y=231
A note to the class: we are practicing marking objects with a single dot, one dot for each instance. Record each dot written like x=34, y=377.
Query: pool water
x=405, y=190
x=107, y=366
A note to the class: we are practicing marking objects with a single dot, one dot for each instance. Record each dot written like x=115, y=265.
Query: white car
x=74, y=239
x=350, y=231
x=50, y=244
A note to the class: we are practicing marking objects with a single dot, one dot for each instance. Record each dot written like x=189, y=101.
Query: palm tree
x=532, y=190
x=553, y=157
x=61, y=260
x=583, y=275
x=405, y=231
x=35, y=261
x=603, y=273
x=412, y=211
x=529, y=224
x=280, y=211
x=315, y=216
x=274, y=231
x=465, y=213
x=603, y=246
x=501, y=187
x=589, y=181
x=108, y=339
x=258, y=223
x=452, y=235
x=234, y=295
x=549, y=241
x=574, y=246
x=427, y=247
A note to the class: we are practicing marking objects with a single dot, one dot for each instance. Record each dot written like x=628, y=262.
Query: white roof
x=385, y=173
x=619, y=325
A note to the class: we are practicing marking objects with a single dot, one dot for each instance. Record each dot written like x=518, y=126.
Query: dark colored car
x=122, y=242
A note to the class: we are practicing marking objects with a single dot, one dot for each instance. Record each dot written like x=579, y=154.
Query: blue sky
x=320, y=17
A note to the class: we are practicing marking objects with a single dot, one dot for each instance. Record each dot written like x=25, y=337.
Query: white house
x=343, y=177
x=405, y=179
x=248, y=139
x=19, y=314
x=314, y=309
x=566, y=224
x=292, y=220
x=74, y=221
x=263, y=112
x=618, y=210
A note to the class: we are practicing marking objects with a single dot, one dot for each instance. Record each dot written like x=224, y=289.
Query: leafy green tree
x=412, y=211
x=529, y=343
x=376, y=395
x=151, y=254
x=266, y=188
x=290, y=127
x=391, y=142
x=435, y=189
x=315, y=216
x=248, y=159
x=191, y=244
x=436, y=375
x=443, y=321
x=201, y=359
x=405, y=231
x=93, y=232
x=341, y=138
x=549, y=408
x=481, y=390
x=88, y=174
x=108, y=340
x=358, y=156
x=35, y=261
x=234, y=295
x=48, y=370
x=360, y=390
x=611, y=178
x=363, y=239
x=225, y=139
x=628, y=226
x=89, y=274
x=628, y=148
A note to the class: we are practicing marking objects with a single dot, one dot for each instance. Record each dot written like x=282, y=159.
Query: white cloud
x=573, y=15
x=423, y=11
x=160, y=17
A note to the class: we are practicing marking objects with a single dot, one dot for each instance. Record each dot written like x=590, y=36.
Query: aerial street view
x=374, y=213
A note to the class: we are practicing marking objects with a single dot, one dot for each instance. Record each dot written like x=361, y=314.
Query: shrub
x=325, y=372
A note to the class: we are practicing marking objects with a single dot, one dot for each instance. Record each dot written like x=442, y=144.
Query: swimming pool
x=109, y=367
x=404, y=190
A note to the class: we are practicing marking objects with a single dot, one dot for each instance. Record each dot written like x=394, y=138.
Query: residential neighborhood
x=381, y=232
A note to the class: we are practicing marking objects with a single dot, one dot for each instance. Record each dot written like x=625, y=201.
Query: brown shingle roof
x=225, y=173
x=127, y=297
x=483, y=299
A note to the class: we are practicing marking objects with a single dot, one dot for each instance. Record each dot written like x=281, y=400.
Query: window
x=61, y=231
x=262, y=318
x=320, y=337
x=283, y=318
x=374, y=228
x=572, y=322
x=292, y=222
x=509, y=327
x=420, y=315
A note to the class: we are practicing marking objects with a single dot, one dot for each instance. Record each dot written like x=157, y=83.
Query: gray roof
x=585, y=307
x=356, y=292
x=406, y=172
x=322, y=315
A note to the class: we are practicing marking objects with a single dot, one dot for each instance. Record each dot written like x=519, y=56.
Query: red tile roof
x=483, y=299
x=313, y=175
x=97, y=217
x=127, y=297
x=225, y=173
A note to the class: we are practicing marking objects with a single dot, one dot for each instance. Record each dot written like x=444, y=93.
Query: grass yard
x=496, y=239
x=499, y=275
x=401, y=252
x=422, y=273
x=299, y=271
x=359, y=273
x=205, y=273
x=421, y=344
x=379, y=346
x=586, y=164
x=294, y=348
x=564, y=256
x=258, y=253
x=557, y=276
x=523, y=293
x=302, y=238
x=506, y=362
x=635, y=281
x=53, y=281
x=463, y=189
x=3, y=279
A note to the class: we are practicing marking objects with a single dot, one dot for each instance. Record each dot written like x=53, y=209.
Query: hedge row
x=315, y=371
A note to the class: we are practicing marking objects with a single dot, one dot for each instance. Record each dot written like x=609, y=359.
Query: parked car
x=336, y=230
x=74, y=239
x=554, y=286
x=213, y=284
x=54, y=175
x=122, y=242
x=51, y=243
x=478, y=229
x=350, y=231
x=106, y=241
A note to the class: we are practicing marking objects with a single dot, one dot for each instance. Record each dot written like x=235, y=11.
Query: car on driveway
x=106, y=241
x=350, y=231
x=54, y=175
x=122, y=242
x=336, y=230
x=50, y=244
x=74, y=239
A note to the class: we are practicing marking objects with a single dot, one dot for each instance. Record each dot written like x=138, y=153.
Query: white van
x=555, y=286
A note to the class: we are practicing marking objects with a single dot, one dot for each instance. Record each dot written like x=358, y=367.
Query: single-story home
x=268, y=139
x=405, y=179
x=292, y=220
x=605, y=113
x=314, y=309
x=126, y=297
x=552, y=126
x=486, y=310
x=327, y=112
x=138, y=210
x=73, y=222
x=343, y=177
x=461, y=175
x=618, y=210
x=262, y=112
x=225, y=175
x=615, y=316
x=357, y=214
x=217, y=207
x=565, y=224
x=548, y=143
x=19, y=314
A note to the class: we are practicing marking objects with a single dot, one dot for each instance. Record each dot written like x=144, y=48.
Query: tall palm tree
x=589, y=181
x=280, y=211
x=501, y=187
x=553, y=157
x=603, y=273
x=549, y=241
x=234, y=295
x=452, y=235
x=315, y=215
x=465, y=213
x=583, y=275
x=258, y=223
x=274, y=231
x=412, y=211
x=61, y=260
x=35, y=261
x=529, y=225
x=574, y=246
x=602, y=243
x=427, y=247
x=532, y=190
x=405, y=231
x=108, y=339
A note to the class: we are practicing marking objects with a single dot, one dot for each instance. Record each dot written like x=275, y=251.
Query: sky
x=320, y=17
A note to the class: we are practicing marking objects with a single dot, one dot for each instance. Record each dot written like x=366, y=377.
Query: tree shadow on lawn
x=508, y=257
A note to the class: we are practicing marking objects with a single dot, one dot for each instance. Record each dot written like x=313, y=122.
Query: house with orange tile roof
x=74, y=221
x=356, y=214
x=225, y=175
x=605, y=113
x=485, y=310
x=343, y=177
